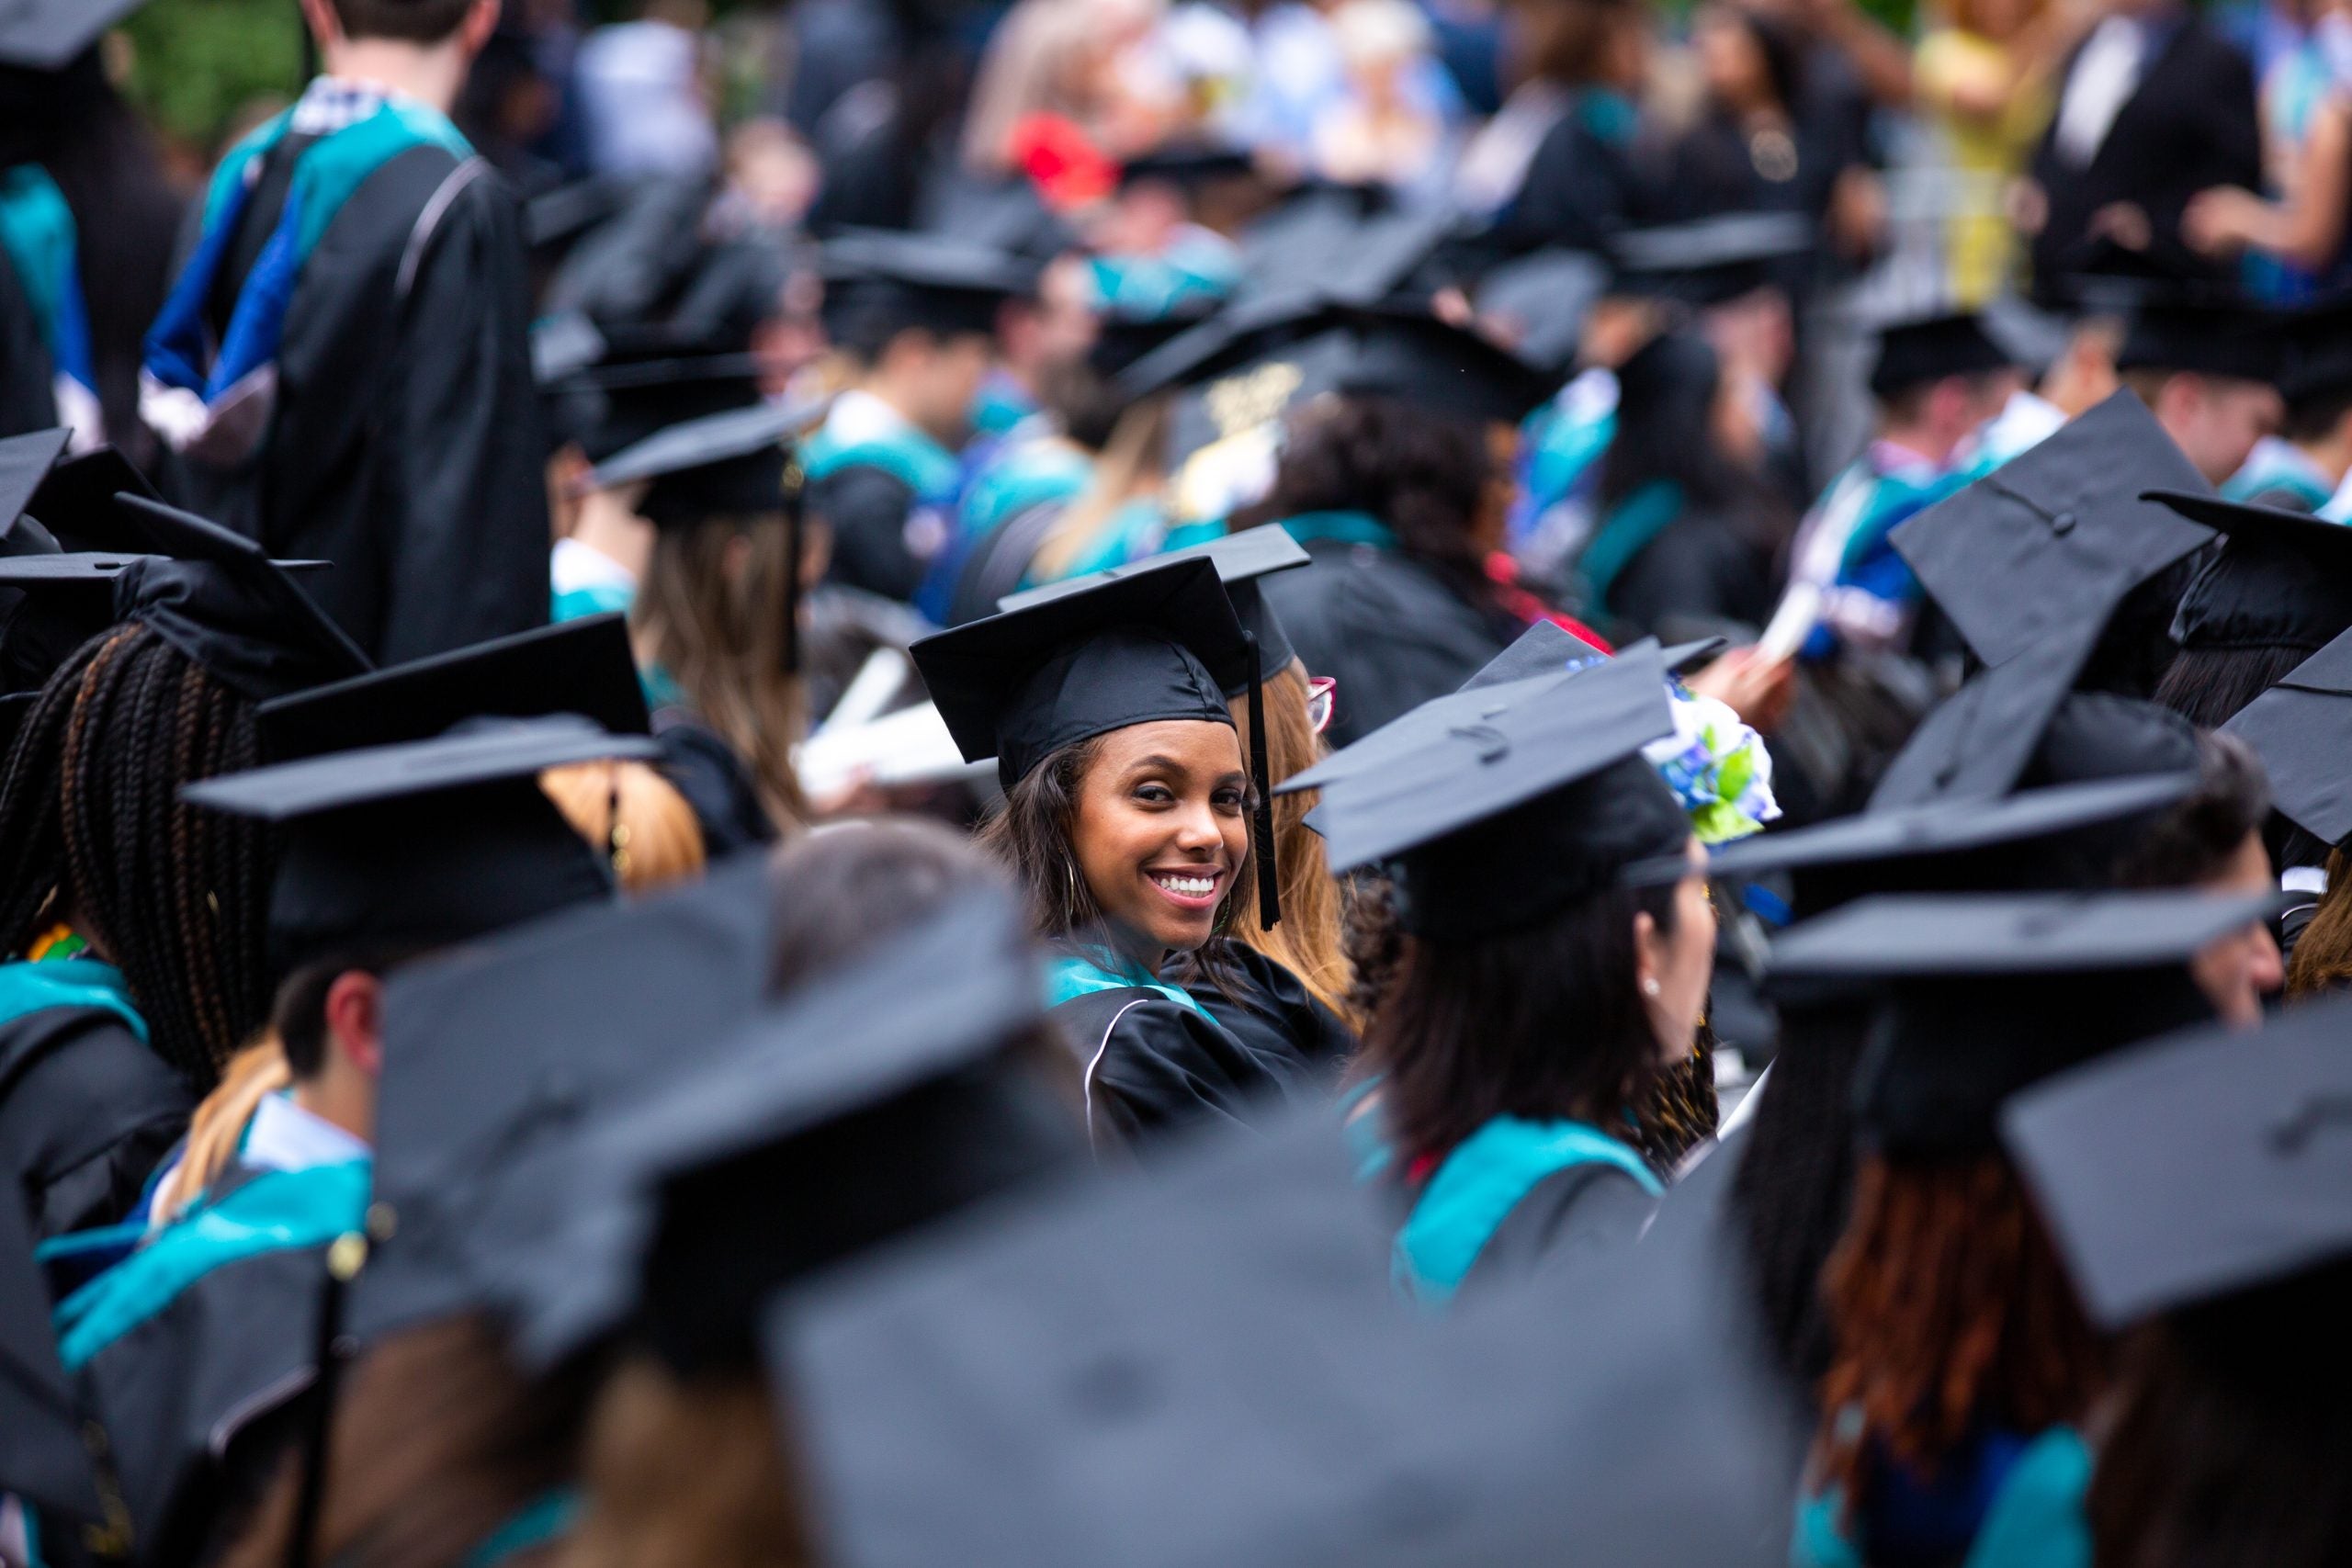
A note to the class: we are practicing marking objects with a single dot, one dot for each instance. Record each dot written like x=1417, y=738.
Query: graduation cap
x=497, y=1057
x=1538, y=302
x=1495, y=820
x=635, y=384
x=582, y=667
x=1987, y=994
x=1160, y=642
x=2210, y=335
x=80, y=502
x=1240, y=560
x=218, y=597
x=1188, y=164
x=48, y=35
x=24, y=464
x=2057, y=537
x=1710, y=261
x=2318, y=361
x=874, y=1101
x=421, y=843
x=2299, y=729
x=2195, y=1168
x=878, y=283
x=1123, y=337
x=1207, y=1365
x=2280, y=580
x=1915, y=352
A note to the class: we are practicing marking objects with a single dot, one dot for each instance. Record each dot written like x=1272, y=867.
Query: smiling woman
x=1128, y=820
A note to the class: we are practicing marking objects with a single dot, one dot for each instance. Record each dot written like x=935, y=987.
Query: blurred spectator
x=1053, y=72
x=1749, y=152
x=2294, y=244
x=2154, y=107
x=1303, y=75
x=771, y=178
x=840, y=45
x=641, y=91
x=1983, y=80
x=1375, y=132
x=1579, y=183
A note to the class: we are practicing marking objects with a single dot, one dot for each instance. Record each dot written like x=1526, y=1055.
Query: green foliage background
x=193, y=64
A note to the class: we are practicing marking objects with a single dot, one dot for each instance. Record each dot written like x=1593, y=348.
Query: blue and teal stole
x=2275, y=474
x=1477, y=1185
x=1082, y=971
x=1343, y=527
x=31, y=987
x=1628, y=529
x=37, y=232
x=187, y=377
x=2028, y=1499
x=277, y=1211
x=906, y=454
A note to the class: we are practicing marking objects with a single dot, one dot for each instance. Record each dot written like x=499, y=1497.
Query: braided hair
x=91, y=830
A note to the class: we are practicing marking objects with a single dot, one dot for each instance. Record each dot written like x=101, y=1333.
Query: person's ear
x=325, y=25
x=355, y=1020
x=480, y=22
x=1649, y=957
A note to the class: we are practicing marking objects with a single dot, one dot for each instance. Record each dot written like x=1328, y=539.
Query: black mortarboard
x=81, y=503
x=2318, y=365
x=1538, y=303
x=2206, y=337
x=496, y=1057
x=42, y=1458
x=24, y=464
x=641, y=381
x=2022, y=724
x=47, y=35
x=1411, y=356
x=1240, y=559
x=734, y=462
x=218, y=598
x=879, y=283
x=421, y=843
x=582, y=667
x=2057, y=537
x=2302, y=728
x=1208, y=1367
x=1498, y=820
x=1123, y=338
x=563, y=344
x=1548, y=648
x=1188, y=163
x=1929, y=348
x=1712, y=260
x=873, y=1102
x=2196, y=1167
x=1159, y=643
x=1988, y=993
x=2280, y=579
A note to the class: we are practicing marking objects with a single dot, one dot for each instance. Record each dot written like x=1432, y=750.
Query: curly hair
x=1951, y=1311
x=92, y=830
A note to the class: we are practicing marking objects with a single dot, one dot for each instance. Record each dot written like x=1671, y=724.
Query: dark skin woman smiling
x=1128, y=819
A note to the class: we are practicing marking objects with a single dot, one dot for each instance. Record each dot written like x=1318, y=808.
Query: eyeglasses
x=1320, y=691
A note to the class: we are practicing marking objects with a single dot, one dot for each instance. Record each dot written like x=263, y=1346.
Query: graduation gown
x=28, y=379
x=1391, y=631
x=1268, y=1008
x=1701, y=568
x=199, y=1386
x=1155, y=1059
x=405, y=443
x=87, y=1114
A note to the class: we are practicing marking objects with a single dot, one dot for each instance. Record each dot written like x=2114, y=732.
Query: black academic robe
x=1391, y=631
x=1268, y=1008
x=200, y=1401
x=1569, y=1219
x=867, y=510
x=87, y=1114
x=1702, y=568
x=1580, y=187
x=717, y=787
x=405, y=446
x=2190, y=124
x=28, y=380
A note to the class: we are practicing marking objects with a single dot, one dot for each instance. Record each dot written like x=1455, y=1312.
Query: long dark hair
x=1422, y=474
x=2208, y=686
x=1665, y=422
x=2231, y=1434
x=1542, y=1023
x=92, y=830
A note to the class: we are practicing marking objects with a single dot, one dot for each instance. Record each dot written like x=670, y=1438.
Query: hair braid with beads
x=92, y=829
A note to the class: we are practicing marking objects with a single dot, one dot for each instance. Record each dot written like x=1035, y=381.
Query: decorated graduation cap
x=879, y=283
x=2266, y=1196
x=1922, y=349
x=1208, y=1366
x=497, y=1056
x=1157, y=643
x=2060, y=535
x=870, y=1103
x=1709, y=261
x=48, y=34
x=2280, y=580
x=2302, y=728
x=1494, y=821
x=1987, y=994
x=1240, y=560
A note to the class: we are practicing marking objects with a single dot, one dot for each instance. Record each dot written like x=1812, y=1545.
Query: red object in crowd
x=1503, y=572
x=1068, y=169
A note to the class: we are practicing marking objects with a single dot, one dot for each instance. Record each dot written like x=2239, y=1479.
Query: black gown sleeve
x=715, y=784
x=1301, y=1043
x=87, y=1114
x=867, y=509
x=1151, y=1066
x=1572, y=1218
x=459, y=488
x=1576, y=193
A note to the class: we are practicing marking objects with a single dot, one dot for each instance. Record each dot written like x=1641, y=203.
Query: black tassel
x=795, y=541
x=1261, y=816
x=344, y=1259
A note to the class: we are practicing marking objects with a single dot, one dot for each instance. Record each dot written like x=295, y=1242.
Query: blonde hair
x=1308, y=941
x=657, y=842
x=218, y=1128
x=710, y=612
x=685, y=1474
x=1130, y=465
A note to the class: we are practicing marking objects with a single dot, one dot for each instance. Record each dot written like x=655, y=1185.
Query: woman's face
x=2237, y=971
x=1673, y=968
x=1730, y=60
x=1161, y=829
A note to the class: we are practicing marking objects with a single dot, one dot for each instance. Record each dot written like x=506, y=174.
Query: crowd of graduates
x=1168, y=857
